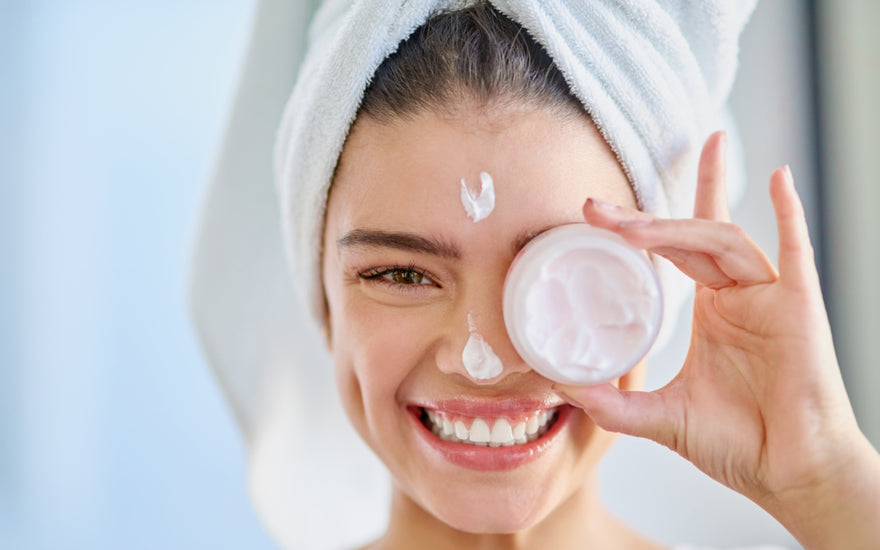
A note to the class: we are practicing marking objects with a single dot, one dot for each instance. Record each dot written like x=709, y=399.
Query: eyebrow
x=411, y=242
x=525, y=237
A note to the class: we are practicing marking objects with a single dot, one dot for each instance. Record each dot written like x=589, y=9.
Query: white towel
x=654, y=75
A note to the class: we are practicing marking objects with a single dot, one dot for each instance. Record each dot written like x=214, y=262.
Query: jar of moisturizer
x=581, y=305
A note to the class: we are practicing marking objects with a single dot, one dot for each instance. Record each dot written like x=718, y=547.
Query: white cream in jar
x=581, y=305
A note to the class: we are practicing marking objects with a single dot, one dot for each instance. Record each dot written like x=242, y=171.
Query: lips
x=489, y=437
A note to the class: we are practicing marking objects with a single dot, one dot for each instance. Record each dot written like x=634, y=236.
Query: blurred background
x=113, y=431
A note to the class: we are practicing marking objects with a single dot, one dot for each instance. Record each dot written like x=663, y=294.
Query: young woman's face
x=409, y=277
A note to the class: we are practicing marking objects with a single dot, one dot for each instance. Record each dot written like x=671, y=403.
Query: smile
x=489, y=432
x=486, y=436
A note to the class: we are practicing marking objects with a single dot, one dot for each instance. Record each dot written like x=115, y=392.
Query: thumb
x=651, y=415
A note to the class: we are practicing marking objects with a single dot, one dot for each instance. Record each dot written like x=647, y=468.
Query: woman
x=406, y=276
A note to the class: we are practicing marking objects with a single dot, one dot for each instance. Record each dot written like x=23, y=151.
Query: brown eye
x=400, y=278
x=406, y=277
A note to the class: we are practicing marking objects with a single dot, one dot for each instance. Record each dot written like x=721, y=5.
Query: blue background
x=113, y=433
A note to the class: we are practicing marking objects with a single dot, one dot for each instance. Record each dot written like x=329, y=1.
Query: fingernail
x=788, y=174
x=602, y=204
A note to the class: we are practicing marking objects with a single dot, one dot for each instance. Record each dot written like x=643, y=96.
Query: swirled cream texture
x=479, y=205
x=585, y=308
x=586, y=312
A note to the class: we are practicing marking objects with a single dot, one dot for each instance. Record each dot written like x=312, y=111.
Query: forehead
x=408, y=172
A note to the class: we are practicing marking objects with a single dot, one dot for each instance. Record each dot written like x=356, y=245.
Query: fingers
x=713, y=254
x=711, y=197
x=728, y=245
x=698, y=266
x=795, y=251
x=641, y=414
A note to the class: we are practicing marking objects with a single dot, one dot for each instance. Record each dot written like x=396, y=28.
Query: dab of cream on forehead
x=479, y=205
x=478, y=358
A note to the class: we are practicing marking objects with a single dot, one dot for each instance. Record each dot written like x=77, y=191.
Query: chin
x=492, y=527
x=500, y=509
x=490, y=520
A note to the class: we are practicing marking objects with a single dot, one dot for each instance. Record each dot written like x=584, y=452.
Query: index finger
x=711, y=197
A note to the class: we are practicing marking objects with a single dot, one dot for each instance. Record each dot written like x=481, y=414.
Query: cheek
x=376, y=349
x=382, y=344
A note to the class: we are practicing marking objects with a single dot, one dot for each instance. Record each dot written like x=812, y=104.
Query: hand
x=759, y=404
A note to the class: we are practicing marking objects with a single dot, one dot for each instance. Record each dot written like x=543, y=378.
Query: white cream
x=478, y=358
x=478, y=206
x=581, y=305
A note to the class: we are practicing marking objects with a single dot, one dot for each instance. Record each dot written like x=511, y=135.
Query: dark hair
x=473, y=54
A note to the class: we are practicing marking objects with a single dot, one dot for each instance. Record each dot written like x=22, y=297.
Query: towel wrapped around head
x=653, y=75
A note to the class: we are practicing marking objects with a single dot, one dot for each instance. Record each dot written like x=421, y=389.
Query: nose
x=477, y=344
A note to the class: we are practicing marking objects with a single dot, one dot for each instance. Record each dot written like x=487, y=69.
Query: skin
x=761, y=352
x=761, y=357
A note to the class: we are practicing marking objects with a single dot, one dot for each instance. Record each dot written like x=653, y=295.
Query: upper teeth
x=500, y=433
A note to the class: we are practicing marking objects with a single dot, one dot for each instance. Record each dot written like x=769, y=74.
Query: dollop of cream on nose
x=478, y=358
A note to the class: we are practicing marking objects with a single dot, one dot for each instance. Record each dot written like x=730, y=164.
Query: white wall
x=850, y=69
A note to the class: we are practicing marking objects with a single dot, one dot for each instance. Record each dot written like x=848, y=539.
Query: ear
x=325, y=326
x=325, y=332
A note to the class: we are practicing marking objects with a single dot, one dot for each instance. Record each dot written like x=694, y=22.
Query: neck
x=577, y=523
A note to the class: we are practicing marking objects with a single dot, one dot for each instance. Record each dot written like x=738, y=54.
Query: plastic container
x=581, y=305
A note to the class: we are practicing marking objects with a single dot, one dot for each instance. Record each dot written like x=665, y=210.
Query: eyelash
x=380, y=275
